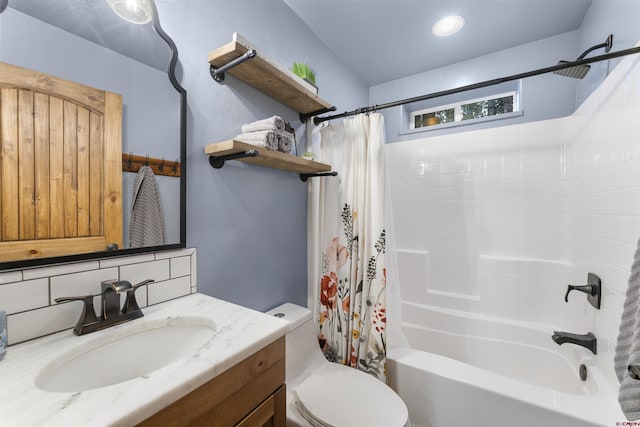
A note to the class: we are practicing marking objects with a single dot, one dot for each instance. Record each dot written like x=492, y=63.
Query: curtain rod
x=561, y=66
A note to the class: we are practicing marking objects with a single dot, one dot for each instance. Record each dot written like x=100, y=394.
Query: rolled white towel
x=265, y=138
x=272, y=123
x=284, y=143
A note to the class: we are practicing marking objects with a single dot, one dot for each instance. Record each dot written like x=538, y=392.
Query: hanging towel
x=272, y=123
x=628, y=346
x=147, y=220
x=263, y=138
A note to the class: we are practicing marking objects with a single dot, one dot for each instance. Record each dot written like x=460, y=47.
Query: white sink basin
x=129, y=351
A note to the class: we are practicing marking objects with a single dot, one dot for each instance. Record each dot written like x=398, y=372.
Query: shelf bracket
x=305, y=176
x=218, y=73
x=304, y=117
x=218, y=161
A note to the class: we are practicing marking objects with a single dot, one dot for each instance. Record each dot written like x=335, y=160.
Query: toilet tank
x=294, y=314
x=303, y=355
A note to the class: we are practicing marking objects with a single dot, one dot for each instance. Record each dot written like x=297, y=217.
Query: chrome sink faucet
x=112, y=314
x=587, y=341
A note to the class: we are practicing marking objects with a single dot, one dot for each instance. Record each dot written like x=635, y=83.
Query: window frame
x=457, y=106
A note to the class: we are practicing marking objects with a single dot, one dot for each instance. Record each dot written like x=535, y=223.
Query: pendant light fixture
x=134, y=11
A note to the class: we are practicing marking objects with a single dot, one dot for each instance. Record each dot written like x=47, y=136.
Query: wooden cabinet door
x=60, y=166
x=271, y=413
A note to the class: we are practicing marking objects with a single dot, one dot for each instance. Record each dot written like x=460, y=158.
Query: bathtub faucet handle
x=587, y=289
x=593, y=289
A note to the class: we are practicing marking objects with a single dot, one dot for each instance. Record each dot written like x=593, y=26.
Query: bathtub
x=467, y=370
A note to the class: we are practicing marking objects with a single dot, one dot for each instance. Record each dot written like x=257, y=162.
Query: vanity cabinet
x=252, y=393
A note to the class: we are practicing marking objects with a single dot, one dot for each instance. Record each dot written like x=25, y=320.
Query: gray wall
x=248, y=223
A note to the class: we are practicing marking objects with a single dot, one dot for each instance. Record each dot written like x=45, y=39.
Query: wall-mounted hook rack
x=133, y=163
x=218, y=161
x=305, y=176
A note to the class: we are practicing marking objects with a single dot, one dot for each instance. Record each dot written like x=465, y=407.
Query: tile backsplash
x=28, y=295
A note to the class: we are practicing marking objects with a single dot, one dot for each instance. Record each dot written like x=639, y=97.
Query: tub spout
x=587, y=340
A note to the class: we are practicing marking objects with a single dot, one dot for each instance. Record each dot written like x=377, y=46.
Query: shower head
x=579, y=71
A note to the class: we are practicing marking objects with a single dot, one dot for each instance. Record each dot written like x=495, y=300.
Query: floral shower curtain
x=347, y=245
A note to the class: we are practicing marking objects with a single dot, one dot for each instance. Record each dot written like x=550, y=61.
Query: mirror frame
x=171, y=72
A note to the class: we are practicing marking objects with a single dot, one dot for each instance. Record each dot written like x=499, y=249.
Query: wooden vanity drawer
x=249, y=394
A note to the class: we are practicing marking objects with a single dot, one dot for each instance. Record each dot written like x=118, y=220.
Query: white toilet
x=321, y=393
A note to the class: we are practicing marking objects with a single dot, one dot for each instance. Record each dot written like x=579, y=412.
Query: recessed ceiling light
x=448, y=25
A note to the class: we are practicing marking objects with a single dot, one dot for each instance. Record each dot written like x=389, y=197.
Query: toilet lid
x=336, y=395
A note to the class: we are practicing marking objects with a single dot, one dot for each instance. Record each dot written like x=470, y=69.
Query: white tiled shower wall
x=28, y=295
x=499, y=221
x=484, y=218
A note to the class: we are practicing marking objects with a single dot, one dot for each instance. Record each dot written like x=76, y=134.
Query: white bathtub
x=463, y=370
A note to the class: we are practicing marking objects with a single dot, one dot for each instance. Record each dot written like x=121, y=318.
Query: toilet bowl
x=321, y=393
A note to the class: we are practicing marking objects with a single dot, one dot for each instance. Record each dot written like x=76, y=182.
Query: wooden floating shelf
x=268, y=77
x=266, y=158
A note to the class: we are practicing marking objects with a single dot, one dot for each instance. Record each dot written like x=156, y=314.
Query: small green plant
x=303, y=70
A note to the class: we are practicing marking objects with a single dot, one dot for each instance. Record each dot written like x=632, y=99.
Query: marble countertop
x=239, y=332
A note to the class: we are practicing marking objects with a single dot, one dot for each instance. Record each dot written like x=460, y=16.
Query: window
x=465, y=110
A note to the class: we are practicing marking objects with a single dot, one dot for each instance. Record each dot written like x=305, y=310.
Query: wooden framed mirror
x=85, y=42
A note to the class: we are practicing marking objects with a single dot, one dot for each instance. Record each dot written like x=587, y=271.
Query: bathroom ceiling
x=380, y=40
x=383, y=40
